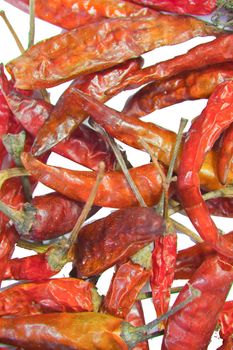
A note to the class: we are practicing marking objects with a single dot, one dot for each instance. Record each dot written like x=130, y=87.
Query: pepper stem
x=31, y=35
x=63, y=251
x=13, y=172
x=36, y=247
x=147, y=295
x=134, y=335
x=181, y=228
x=14, y=144
x=12, y=31
x=121, y=162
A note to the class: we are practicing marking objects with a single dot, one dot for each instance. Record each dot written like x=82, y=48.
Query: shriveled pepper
x=68, y=113
x=225, y=155
x=226, y=320
x=185, y=86
x=194, y=7
x=84, y=146
x=126, y=283
x=46, y=217
x=70, y=14
x=216, y=51
x=204, y=131
x=114, y=191
x=98, y=46
x=55, y=295
x=192, y=327
x=227, y=344
x=136, y=318
x=131, y=130
x=220, y=207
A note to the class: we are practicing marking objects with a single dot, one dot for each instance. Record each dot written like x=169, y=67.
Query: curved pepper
x=204, y=131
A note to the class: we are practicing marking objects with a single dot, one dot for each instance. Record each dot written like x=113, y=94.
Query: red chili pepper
x=220, y=207
x=185, y=86
x=46, y=217
x=226, y=320
x=216, y=51
x=126, y=283
x=95, y=47
x=115, y=238
x=163, y=271
x=55, y=295
x=68, y=113
x=227, y=344
x=136, y=318
x=114, y=190
x=84, y=146
x=204, y=131
x=225, y=155
x=192, y=327
x=70, y=14
x=130, y=131
x=194, y=7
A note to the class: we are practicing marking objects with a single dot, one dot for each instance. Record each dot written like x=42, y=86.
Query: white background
x=168, y=117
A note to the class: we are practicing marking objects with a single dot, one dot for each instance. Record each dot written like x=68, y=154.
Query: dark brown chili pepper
x=98, y=46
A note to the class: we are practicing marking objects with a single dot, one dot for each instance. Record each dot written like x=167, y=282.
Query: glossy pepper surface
x=204, y=131
x=95, y=47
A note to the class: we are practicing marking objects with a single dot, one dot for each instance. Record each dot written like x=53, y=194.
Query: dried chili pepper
x=185, y=86
x=227, y=344
x=204, y=131
x=114, y=191
x=34, y=221
x=220, y=207
x=196, y=7
x=226, y=320
x=84, y=146
x=68, y=113
x=115, y=238
x=216, y=51
x=163, y=271
x=70, y=54
x=225, y=155
x=126, y=283
x=193, y=326
x=131, y=130
x=70, y=14
x=136, y=318
x=55, y=295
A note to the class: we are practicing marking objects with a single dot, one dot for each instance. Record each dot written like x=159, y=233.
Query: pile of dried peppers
x=99, y=51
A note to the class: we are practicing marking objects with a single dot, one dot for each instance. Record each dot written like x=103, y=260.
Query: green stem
x=13, y=172
x=39, y=248
x=194, y=237
x=12, y=31
x=121, y=161
x=148, y=295
x=31, y=35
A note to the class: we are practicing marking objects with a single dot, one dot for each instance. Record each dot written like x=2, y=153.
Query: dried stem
x=36, y=247
x=148, y=295
x=11, y=29
x=31, y=35
x=121, y=161
x=13, y=172
x=194, y=237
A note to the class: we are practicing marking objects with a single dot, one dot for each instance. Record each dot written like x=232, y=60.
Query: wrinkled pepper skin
x=68, y=113
x=192, y=326
x=98, y=46
x=163, y=270
x=227, y=344
x=226, y=320
x=84, y=146
x=70, y=14
x=136, y=318
x=55, y=295
x=130, y=130
x=225, y=155
x=200, y=138
x=55, y=215
x=220, y=207
x=114, y=239
x=185, y=86
x=30, y=268
x=69, y=331
x=127, y=282
x=216, y=51
x=192, y=7
x=114, y=190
